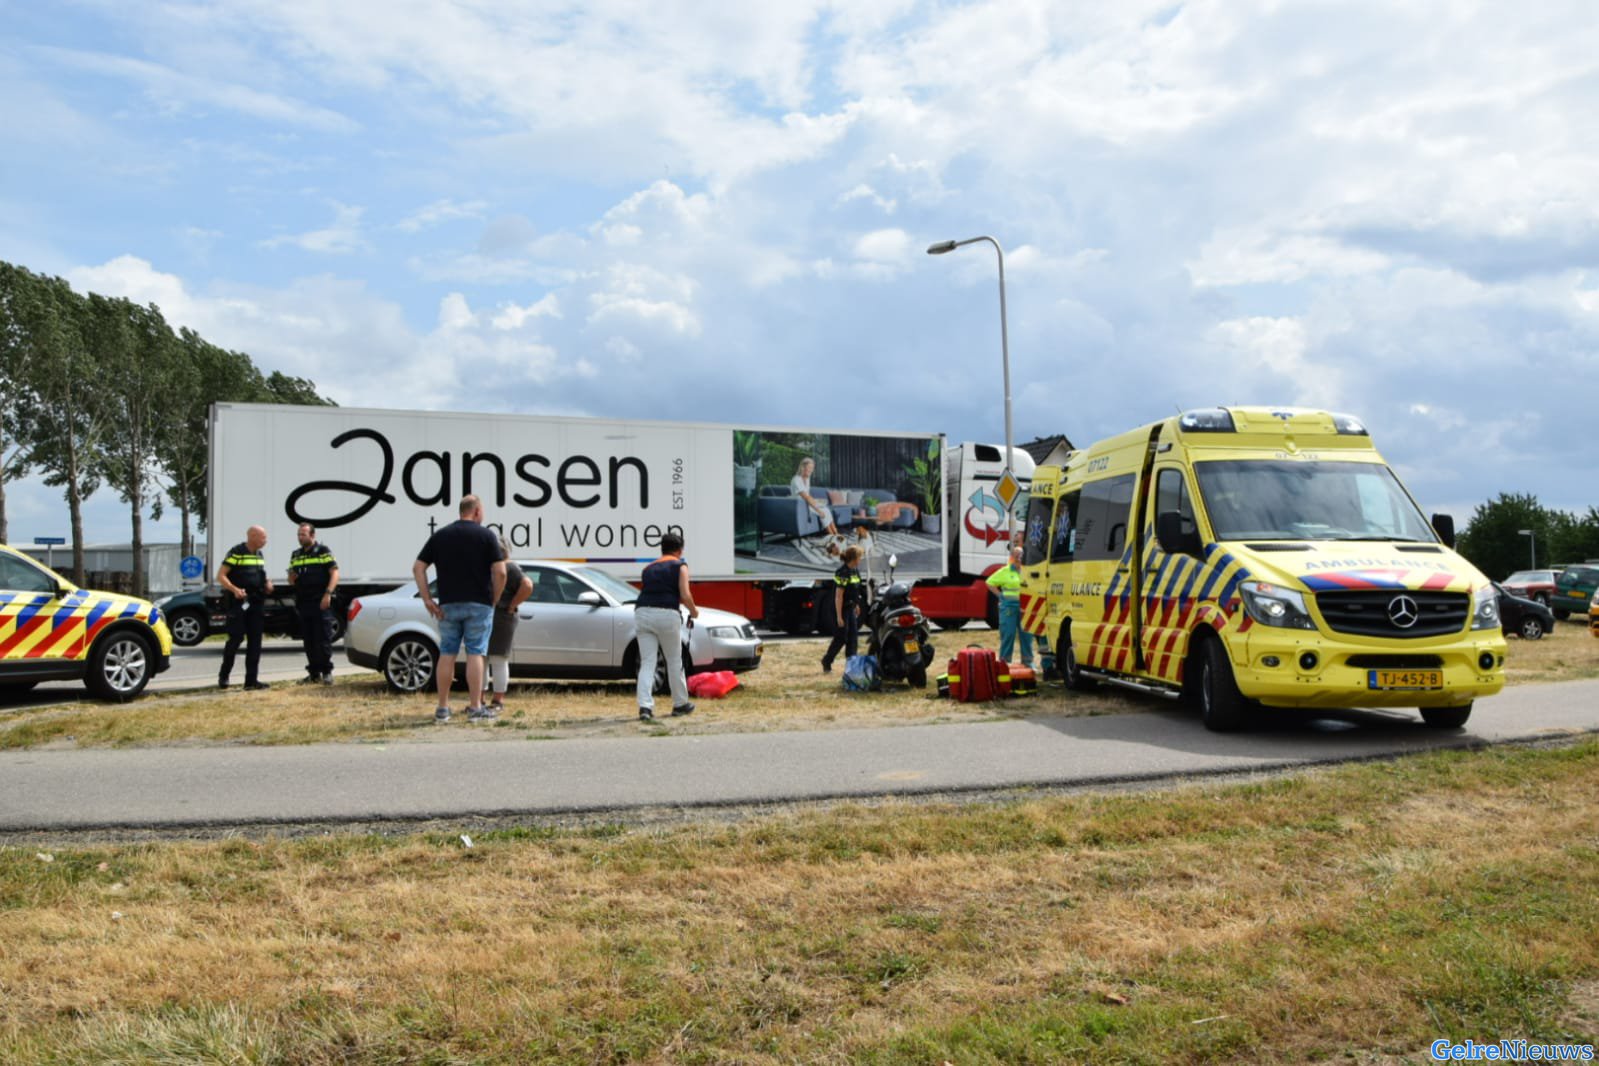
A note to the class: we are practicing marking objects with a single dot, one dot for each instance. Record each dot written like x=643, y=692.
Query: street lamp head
x=941, y=247
x=1524, y=532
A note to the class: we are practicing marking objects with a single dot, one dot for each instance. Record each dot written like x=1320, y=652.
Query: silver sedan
x=578, y=623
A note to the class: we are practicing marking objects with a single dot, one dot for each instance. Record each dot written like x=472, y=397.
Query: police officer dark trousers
x=242, y=576
x=849, y=600
x=314, y=575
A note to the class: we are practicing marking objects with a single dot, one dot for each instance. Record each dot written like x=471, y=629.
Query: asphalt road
x=454, y=779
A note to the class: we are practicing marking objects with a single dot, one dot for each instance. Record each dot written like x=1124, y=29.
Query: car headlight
x=1485, y=609
x=724, y=632
x=1273, y=605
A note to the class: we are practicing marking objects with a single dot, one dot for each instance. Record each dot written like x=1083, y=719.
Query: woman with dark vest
x=659, y=626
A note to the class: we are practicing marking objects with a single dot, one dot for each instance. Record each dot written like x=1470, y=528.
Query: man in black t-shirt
x=470, y=576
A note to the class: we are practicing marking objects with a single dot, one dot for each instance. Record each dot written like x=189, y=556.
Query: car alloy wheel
x=409, y=663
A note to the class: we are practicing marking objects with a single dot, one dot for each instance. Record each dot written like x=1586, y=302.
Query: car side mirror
x=590, y=599
x=1173, y=539
x=1444, y=526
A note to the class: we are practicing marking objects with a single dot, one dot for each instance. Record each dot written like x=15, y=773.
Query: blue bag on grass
x=860, y=674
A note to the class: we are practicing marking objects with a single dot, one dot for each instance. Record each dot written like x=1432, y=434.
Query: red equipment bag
x=712, y=686
x=974, y=676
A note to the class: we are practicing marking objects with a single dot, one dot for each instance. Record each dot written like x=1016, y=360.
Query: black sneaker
x=255, y=686
x=646, y=715
x=310, y=679
x=326, y=679
x=678, y=712
x=224, y=683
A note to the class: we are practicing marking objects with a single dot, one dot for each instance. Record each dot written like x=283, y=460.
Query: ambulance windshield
x=1283, y=500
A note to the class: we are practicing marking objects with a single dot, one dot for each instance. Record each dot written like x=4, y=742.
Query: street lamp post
x=1532, y=546
x=941, y=248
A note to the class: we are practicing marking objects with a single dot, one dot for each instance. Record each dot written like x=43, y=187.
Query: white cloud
x=440, y=211
x=884, y=246
x=340, y=238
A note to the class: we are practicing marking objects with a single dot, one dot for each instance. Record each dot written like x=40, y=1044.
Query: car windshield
x=620, y=591
x=1531, y=577
x=1269, y=499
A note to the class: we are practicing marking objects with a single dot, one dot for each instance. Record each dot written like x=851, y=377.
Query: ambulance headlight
x=1273, y=605
x=1485, y=609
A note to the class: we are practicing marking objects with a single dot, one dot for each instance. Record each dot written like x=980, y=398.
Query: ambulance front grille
x=1372, y=612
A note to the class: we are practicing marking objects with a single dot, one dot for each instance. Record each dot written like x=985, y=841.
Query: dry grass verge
x=1359, y=912
x=788, y=692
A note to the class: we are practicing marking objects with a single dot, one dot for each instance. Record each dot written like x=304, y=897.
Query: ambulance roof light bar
x=1207, y=420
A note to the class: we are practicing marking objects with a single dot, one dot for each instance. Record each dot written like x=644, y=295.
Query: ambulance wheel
x=1446, y=717
x=120, y=665
x=1071, y=672
x=917, y=676
x=1221, y=706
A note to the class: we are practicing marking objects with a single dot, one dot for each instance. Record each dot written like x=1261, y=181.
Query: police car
x=51, y=630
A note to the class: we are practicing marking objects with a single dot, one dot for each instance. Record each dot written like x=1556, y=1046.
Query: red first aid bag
x=712, y=686
x=974, y=676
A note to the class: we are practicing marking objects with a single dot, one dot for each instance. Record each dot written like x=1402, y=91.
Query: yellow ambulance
x=1245, y=556
x=51, y=630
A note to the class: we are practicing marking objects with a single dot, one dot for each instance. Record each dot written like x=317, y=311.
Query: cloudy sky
x=719, y=211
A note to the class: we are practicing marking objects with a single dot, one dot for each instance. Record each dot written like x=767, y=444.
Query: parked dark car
x=193, y=616
x=1528, y=619
x=1574, y=587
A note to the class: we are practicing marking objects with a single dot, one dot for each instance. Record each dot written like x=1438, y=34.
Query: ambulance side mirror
x=1173, y=539
x=1444, y=526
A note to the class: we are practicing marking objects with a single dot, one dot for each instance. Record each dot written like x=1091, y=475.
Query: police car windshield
x=1269, y=499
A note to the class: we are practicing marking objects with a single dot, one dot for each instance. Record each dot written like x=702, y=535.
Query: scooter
x=897, y=633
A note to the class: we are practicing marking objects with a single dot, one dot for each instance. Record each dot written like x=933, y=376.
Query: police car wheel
x=409, y=662
x=119, y=665
x=188, y=627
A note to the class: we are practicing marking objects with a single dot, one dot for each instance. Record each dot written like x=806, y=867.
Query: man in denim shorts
x=470, y=575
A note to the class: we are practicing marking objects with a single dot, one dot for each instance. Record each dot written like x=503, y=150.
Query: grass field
x=789, y=691
x=1348, y=915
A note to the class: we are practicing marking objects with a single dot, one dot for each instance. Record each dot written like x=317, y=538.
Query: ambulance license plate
x=912, y=647
x=1404, y=679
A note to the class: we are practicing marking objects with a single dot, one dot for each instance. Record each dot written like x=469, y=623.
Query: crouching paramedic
x=314, y=573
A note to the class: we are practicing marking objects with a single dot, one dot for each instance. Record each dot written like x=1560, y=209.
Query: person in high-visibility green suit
x=1006, y=583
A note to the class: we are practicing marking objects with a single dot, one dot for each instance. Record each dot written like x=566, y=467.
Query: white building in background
x=109, y=567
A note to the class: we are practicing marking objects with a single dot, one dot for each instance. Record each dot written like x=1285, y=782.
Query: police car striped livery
x=51, y=630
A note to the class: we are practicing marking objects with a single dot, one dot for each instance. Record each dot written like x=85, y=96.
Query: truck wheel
x=408, y=663
x=1221, y=706
x=1531, y=628
x=119, y=665
x=336, y=629
x=188, y=627
x=1446, y=717
x=992, y=616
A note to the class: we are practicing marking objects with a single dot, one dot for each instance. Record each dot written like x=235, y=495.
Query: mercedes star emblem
x=1403, y=612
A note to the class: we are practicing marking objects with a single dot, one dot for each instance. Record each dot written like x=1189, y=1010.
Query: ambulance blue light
x=1349, y=425
x=1207, y=420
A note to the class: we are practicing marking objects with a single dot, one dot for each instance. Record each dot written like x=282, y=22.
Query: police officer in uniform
x=849, y=601
x=243, y=578
x=314, y=574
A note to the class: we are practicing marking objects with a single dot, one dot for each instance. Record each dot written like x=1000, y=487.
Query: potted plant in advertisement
x=746, y=460
x=928, y=477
